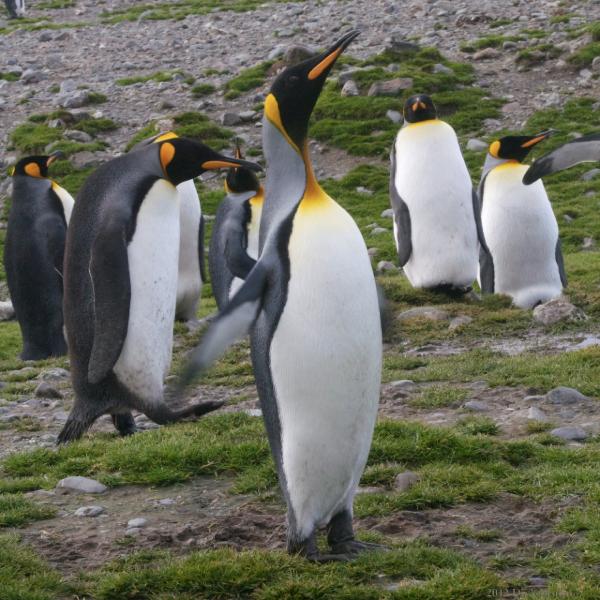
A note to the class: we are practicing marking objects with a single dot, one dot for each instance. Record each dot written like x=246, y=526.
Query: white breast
x=66, y=200
x=326, y=364
x=433, y=180
x=152, y=254
x=189, y=283
x=521, y=232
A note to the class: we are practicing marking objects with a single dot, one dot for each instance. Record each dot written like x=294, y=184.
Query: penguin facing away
x=121, y=264
x=583, y=149
x=436, y=218
x=234, y=242
x=525, y=259
x=33, y=256
x=191, y=273
x=315, y=326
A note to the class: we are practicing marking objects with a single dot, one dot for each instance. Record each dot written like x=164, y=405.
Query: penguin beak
x=58, y=155
x=224, y=162
x=324, y=62
x=536, y=139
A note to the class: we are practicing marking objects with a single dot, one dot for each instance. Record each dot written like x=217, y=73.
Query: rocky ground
x=511, y=394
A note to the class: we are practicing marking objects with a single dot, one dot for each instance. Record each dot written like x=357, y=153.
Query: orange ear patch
x=33, y=169
x=167, y=153
x=495, y=149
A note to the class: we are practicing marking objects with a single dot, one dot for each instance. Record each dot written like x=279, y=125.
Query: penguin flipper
x=583, y=149
x=201, y=260
x=478, y=223
x=401, y=216
x=236, y=238
x=486, y=271
x=230, y=325
x=109, y=270
x=561, y=263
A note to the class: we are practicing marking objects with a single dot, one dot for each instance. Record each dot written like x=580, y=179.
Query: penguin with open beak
x=311, y=305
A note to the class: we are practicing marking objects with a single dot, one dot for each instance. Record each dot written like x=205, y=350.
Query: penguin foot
x=124, y=424
x=327, y=558
x=205, y=407
x=352, y=548
x=72, y=430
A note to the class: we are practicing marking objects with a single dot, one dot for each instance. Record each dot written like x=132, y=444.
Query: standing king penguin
x=436, y=216
x=525, y=259
x=312, y=304
x=191, y=272
x=33, y=256
x=234, y=242
x=121, y=283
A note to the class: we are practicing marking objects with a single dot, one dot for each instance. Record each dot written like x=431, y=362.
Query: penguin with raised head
x=312, y=305
x=436, y=216
x=583, y=149
x=33, y=255
x=121, y=266
x=191, y=272
x=233, y=246
x=525, y=259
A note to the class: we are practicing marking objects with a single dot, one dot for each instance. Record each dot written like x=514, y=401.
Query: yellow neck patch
x=258, y=198
x=426, y=122
x=272, y=113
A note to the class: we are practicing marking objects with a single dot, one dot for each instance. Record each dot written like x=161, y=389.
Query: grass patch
x=490, y=41
x=159, y=76
x=439, y=396
x=9, y=76
x=247, y=79
x=202, y=89
x=16, y=510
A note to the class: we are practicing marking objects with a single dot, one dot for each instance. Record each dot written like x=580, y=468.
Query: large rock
x=424, y=312
x=557, y=310
x=565, y=395
x=297, y=53
x=82, y=485
x=571, y=434
x=391, y=87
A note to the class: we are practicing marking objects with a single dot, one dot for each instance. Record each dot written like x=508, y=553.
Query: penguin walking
x=312, y=304
x=121, y=281
x=234, y=242
x=583, y=149
x=191, y=272
x=525, y=259
x=33, y=256
x=436, y=218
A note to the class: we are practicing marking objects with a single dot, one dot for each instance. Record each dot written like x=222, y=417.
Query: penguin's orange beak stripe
x=50, y=160
x=218, y=164
x=324, y=64
x=534, y=141
x=417, y=105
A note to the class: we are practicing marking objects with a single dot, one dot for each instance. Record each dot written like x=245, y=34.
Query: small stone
x=588, y=243
x=486, y=54
x=557, y=310
x=7, y=312
x=60, y=416
x=536, y=414
x=476, y=145
x=45, y=36
x=350, y=89
x=565, y=395
x=31, y=76
x=394, y=116
x=166, y=501
x=388, y=213
x=372, y=252
x=45, y=390
x=533, y=398
x=277, y=52
x=84, y=485
x=591, y=174
x=405, y=480
x=571, y=434
x=137, y=523
x=386, y=265
x=298, y=53
x=253, y=412
x=508, y=45
x=476, y=406
x=345, y=76
x=368, y=490
x=230, y=118
x=538, y=581
x=403, y=384
x=54, y=374
x=62, y=36
x=133, y=531
x=596, y=64
x=399, y=43
x=77, y=99
x=459, y=321
x=443, y=69
x=78, y=136
x=392, y=87
x=424, y=312
x=363, y=190
x=89, y=511
x=67, y=86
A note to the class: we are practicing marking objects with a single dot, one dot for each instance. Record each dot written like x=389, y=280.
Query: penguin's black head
x=295, y=91
x=517, y=147
x=183, y=159
x=240, y=179
x=419, y=108
x=35, y=166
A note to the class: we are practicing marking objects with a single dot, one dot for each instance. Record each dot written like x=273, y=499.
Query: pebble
x=386, y=266
x=391, y=87
x=166, y=501
x=403, y=384
x=486, y=54
x=45, y=390
x=31, y=76
x=565, y=395
x=363, y=190
x=378, y=230
x=230, y=118
x=137, y=523
x=424, y=312
x=350, y=89
x=476, y=406
x=476, y=145
x=536, y=414
x=557, y=310
x=54, y=374
x=7, y=312
x=77, y=99
x=440, y=68
x=591, y=174
x=405, y=480
x=388, y=213
x=372, y=252
x=253, y=412
x=572, y=434
x=78, y=136
x=459, y=321
x=85, y=485
x=394, y=116
x=89, y=511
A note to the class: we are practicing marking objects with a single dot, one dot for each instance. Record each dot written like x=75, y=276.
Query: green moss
x=159, y=76
x=439, y=396
x=490, y=41
x=97, y=98
x=247, y=79
x=53, y=4
x=197, y=125
x=15, y=510
x=530, y=57
x=202, y=89
x=9, y=76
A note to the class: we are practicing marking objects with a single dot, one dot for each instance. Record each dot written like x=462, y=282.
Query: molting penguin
x=121, y=281
x=525, y=259
x=312, y=303
x=33, y=256
x=234, y=242
x=583, y=149
x=436, y=217
x=191, y=273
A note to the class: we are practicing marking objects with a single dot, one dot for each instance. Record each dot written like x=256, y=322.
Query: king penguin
x=436, y=218
x=312, y=305
x=234, y=242
x=583, y=149
x=33, y=256
x=120, y=283
x=191, y=272
x=525, y=259
x=15, y=8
